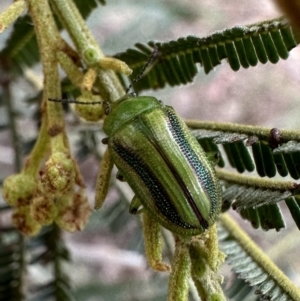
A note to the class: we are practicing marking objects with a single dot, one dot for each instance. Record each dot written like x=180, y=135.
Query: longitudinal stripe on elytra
x=163, y=164
x=200, y=170
x=157, y=191
x=203, y=222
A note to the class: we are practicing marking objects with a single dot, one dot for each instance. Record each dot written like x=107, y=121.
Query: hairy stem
x=260, y=132
x=110, y=86
x=11, y=14
x=48, y=37
x=259, y=256
x=234, y=177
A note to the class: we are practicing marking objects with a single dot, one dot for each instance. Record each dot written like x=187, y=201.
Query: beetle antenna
x=151, y=58
x=65, y=100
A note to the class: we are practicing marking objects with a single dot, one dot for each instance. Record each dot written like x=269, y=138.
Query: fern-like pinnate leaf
x=257, y=200
x=49, y=251
x=252, y=265
x=175, y=61
x=250, y=148
x=293, y=203
x=240, y=290
x=271, y=153
x=11, y=263
x=21, y=47
x=86, y=7
x=45, y=250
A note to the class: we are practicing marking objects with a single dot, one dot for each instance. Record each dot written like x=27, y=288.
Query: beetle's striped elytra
x=164, y=164
x=175, y=186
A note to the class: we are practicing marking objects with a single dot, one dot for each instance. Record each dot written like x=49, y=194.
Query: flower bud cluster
x=51, y=198
x=206, y=259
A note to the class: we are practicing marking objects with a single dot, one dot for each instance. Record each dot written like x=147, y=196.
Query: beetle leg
x=153, y=243
x=181, y=271
x=215, y=256
x=135, y=205
x=103, y=178
x=206, y=260
x=208, y=284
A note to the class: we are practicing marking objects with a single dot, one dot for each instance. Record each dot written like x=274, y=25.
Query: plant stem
x=78, y=30
x=88, y=48
x=48, y=37
x=34, y=160
x=11, y=14
x=260, y=132
x=255, y=181
x=72, y=71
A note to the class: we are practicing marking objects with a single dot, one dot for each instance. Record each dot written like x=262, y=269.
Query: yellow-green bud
x=43, y=210
x=199, y=264
x=88, y=112
x=64, y=201
x=58, y=177
x=74, y=217
x=19, y=189
x=24, y=222
x=216, y=297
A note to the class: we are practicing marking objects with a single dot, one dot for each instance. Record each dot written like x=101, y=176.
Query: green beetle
x=164, y=164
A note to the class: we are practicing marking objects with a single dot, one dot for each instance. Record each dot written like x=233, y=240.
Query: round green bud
x=74, y=217
x=43, y=210
x=89, y=112
x=24, y=222
x=19, y=189
x=64, y=201
x=58, y=177
x=216, y=297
